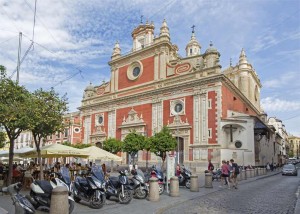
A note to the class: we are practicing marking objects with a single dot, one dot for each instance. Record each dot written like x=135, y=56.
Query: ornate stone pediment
x=133, y=122
x=177, y=122
x=99, y=135
x=132, y=118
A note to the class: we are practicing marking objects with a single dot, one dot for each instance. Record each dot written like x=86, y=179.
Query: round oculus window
x=238, y=144
x=178, y=107
x=76, y=130
x=136, y=71
x=100, y=119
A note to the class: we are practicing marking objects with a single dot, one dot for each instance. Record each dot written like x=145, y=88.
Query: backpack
x=236, y=169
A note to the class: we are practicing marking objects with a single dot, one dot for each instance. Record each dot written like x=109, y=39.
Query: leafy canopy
x=163, y=142
x=133, y=143
x=47, y=110
x=112, y=145
x=77, y=146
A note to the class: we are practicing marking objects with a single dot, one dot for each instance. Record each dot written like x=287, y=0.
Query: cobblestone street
x=275, y=194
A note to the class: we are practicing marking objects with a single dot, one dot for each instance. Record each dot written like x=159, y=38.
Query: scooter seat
x=45, y=185
x=114, y=180
x=82, y=181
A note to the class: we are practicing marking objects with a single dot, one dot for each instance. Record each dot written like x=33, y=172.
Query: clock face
x=136, y=71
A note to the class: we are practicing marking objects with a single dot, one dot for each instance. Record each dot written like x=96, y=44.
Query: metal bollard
x=245, y=174
x=194, y=184
x=59, y=200
x=256, y=171
x=153, y=189
x=264, y=171
x=239, y=177
x=174, y=186
x=248, y=173
x=208, y=180
x=260, y=171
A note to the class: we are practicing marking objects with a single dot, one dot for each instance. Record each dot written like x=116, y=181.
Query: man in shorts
x=234, y=174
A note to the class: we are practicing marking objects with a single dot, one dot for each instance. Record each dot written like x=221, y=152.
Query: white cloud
x=287, y=78
x=275, y=104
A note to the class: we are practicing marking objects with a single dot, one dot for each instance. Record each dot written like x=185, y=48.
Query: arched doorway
x=99, y=144
x=180, y=150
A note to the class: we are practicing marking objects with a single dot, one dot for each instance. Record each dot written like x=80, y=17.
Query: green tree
x=133, y=143
x=47, y=110
x=2, y=139
x=112, y=145
x=77, y=146
x=14, y=114
x=147, y=146
x=163, y=142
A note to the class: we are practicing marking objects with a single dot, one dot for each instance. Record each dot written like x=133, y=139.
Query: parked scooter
x=41, y=190
x=140, y=189
x=216, y=175
x=119, y=187
x=185, y=177
x=157, y=173
x=91, y=188
x=22, y=204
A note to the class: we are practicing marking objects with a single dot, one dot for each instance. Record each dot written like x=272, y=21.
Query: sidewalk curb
x=163, y=209
x=297, y=206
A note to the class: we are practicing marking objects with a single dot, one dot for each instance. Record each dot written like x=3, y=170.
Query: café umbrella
x=56, y=151
x=95, y=153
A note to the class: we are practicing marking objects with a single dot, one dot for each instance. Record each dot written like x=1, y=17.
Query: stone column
x=59, y=200
x=174, y=186
x=208, y=180
x=153, y=189
x=194, y=184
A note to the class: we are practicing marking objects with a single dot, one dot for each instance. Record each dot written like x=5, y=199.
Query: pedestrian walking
x=234, y=174
x=225, y=173
x=210, y=167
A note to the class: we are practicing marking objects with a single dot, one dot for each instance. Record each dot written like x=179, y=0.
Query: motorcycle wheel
x=161, y=188
x=127, y=197
x=95, y=203
x=141, y=193
x=76, y=199
x=71, y=206
x=188, y=184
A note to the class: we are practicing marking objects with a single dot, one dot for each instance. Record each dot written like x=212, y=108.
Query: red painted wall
x=145, y=110
x=231, y=101
x=147, y=75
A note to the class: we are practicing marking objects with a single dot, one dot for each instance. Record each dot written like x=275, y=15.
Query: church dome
x=211, y=49
x=90, y=87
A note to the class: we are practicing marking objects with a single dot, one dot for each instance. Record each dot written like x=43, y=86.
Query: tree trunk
x=10, y=161
x=147, y=161
x=41, y=175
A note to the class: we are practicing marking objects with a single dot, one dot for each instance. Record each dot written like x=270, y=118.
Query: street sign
x=170, y=167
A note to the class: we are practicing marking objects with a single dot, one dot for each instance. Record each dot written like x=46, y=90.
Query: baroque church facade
x=214, y=114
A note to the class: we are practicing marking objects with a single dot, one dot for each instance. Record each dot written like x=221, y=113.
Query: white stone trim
x=112, y=124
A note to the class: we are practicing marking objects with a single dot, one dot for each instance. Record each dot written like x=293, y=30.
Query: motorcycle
x=185, y=177
x=140, y=189
x=119, y=187
x=91, y=188
x=216, y=175
x=40, y=193
x=157, y=173
x=22, y=204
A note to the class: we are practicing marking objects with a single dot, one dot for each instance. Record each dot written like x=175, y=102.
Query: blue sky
x=74, y=41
